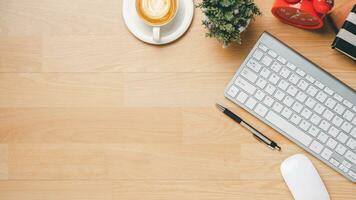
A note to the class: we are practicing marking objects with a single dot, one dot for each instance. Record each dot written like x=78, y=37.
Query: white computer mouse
x=302, y=179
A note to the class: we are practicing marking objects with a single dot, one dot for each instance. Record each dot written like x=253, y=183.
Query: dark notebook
x=345, y=40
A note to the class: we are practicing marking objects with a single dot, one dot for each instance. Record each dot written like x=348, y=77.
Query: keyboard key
x=338, y=97
x=283, y=84
x=261, y=110
x=272, y=53
x=352, y=174
x=328, y=91
x=326, y=154
x=348, y=115
x=295, y=119
x=297, y=107
x=270, y=89
x=306, y=113
x=282, y=60
x=351, y=156
x=300, y=72
x=277, y=107
x=263, y=47
x=337, y=121
x=322, y=137
x=340, y=149
x=342, y=137
x=286, y=112
x=242, y=97
x=260, y=95
x=292, y=90
x=273, y=79
x=291, y=66
x=351, y=143
x=319, y=108
x=249, y=75
x=254, y=65
x=276, y=67
x=303, y=85
x=265, y=73
x=279, y=95
x=243, y=84
x=328, y=114
x=251, y=102
x=233, y=91
x=266, y=60
x=288, y=101
x=346, y=127
x=346, y=164
x=319, y=85
x=331, y=143
x=314, y=131
x=292, y=131
x=343, y=168
x=347, y=103
x=315, y=119
x=310, y=103
x=321, y=96
x=284, y=72
x=316, y=147
x=268, y=101
x=339, y=109
x=333, y=131
x=301, y=96
x=312, y=91
x=304, y=125
x=310, y=78
x=330, y=103
x=261, y=83
x=334, y=162
x=257, y=54
x=324, y=125
x=294, y=79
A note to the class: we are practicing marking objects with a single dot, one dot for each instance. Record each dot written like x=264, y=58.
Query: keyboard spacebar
x=288, y=128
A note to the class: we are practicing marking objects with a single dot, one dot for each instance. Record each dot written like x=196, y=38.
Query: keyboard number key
x=266, y=60
x=265, y=73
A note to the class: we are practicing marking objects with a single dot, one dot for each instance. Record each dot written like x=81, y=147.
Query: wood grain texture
x=87, y=111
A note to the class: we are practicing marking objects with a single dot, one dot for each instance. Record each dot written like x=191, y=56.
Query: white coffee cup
x=157, y=13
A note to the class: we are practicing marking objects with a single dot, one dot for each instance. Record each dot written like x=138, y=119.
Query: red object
x=307, y=14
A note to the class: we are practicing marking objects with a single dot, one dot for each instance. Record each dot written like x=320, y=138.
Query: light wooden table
x=89, y=112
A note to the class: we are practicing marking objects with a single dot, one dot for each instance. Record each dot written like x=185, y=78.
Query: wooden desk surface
x=89, y=112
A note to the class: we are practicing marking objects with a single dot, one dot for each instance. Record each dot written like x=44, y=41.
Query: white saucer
x=169, y=33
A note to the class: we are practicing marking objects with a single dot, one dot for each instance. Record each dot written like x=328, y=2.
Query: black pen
x=255, y=132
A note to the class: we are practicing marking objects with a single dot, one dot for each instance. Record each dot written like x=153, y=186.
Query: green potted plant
x=225, y=20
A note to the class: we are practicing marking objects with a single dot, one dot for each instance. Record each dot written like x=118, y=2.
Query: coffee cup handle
x=156, y=33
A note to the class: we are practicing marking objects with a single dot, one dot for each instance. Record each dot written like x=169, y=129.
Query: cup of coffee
x=156, y=13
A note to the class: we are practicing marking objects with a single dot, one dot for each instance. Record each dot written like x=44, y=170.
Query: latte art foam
x=156, y=12
x=156, y=9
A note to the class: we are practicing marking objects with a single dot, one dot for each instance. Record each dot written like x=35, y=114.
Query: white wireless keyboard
x=300, y=100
